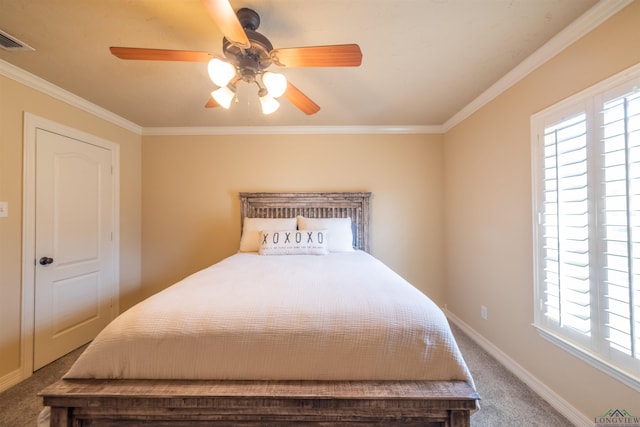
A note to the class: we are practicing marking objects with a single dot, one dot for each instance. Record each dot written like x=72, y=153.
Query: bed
x=301, y=327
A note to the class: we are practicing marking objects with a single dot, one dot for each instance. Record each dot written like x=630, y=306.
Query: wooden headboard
x=312, y=205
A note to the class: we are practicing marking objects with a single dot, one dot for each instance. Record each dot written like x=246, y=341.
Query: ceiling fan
x=247, y=56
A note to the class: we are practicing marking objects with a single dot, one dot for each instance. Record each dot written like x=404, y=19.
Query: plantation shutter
x=620, y=224
x=586, y=176
x=565, y=227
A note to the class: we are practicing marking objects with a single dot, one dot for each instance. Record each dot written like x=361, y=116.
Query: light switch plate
x=4, y=209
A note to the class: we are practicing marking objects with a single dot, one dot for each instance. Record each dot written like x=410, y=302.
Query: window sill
x=589, y=358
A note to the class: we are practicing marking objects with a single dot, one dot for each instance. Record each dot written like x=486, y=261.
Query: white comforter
x=342, y=316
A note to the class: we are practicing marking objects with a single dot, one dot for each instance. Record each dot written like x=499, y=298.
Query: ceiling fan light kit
x=224, y=95
x=247, y=55
x=275, y=83
x=269, y=103
x=220, y=72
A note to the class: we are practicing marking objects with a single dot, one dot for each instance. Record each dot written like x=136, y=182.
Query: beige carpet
x=506, y=401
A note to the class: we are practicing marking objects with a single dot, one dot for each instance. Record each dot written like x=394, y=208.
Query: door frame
x=31, y=124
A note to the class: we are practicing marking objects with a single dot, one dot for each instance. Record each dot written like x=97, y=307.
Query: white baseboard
x=9, y=380
x=555, y=400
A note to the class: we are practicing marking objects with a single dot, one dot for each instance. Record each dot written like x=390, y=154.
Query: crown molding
x=24, y=77
x=595, y=16
x=41, y=85
x=292, y=130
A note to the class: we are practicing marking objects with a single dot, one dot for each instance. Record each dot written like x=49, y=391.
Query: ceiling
x=423, y=60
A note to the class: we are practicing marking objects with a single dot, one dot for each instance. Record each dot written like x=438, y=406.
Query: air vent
x=10, y=43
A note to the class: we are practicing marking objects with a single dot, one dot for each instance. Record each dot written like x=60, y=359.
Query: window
x=586, y=179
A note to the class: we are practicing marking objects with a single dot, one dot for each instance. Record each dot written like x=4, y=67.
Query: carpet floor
x=506, y=401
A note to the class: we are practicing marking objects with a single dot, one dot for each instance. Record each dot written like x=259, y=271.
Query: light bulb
x=275, y=83
x=269, y=104
x=220, y=72
x=223, y=96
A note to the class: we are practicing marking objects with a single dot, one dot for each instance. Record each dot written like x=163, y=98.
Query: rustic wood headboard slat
x=354, y=205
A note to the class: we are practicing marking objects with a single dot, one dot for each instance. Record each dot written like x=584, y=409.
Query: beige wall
x=191, y=209
x=488, y=232
x=15, y=99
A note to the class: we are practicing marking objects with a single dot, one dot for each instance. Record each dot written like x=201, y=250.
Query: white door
x=74, y=264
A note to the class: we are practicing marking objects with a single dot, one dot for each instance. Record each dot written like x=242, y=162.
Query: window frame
x=590, y=349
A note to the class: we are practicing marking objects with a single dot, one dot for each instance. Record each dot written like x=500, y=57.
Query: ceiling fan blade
x=211, y=103
x=342, y=55
x=160, y=54
x=300, y=100
x=225, y=18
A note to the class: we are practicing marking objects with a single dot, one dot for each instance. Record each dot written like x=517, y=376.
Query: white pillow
x=250, y=240
x=297, y=242
x=340, y=237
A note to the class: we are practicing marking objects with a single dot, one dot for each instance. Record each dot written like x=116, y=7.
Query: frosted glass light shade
x=220, y=72
x=223, y=96
x=275, y=83
x=269, y=104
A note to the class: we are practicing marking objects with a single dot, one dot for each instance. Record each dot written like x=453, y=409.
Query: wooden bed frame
x=98, y=402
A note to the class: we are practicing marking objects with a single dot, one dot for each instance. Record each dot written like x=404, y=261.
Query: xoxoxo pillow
x=287, y=242
x=250, y=240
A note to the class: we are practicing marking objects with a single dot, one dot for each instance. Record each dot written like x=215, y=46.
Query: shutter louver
x=566, y=225
x=620, y=209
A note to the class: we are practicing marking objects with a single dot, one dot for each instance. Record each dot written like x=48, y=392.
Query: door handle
x=45, y=260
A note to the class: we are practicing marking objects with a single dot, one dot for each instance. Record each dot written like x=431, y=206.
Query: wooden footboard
x=263, y=403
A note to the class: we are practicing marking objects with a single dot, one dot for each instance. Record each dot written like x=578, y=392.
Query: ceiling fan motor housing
x=254, y=60
x=249, y=18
